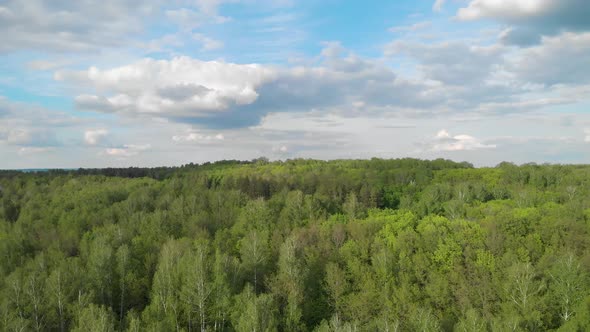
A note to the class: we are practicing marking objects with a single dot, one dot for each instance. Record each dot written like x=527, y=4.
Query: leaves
x=300, y=245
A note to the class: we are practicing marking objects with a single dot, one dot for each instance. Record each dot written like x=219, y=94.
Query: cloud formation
x=455, y=77
x=127, y=150
x=438, y=4
x=27, y=136
x=195, y=137
x=69, y=25
x=443, y=141
x=26, y=125
x=455, y=63
x=95, y=136
x=218, y=94
x=180, y=87
x=562, y=59
x=84, y=26
x=529, y=20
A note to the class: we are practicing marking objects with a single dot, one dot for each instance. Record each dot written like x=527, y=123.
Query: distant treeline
x=158, y=173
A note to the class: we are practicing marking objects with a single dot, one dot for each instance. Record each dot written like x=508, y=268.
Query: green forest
x=297, y=245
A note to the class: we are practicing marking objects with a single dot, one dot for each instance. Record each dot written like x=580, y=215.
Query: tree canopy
x=297, y=245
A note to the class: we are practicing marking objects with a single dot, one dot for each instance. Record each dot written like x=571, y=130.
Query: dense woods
x=299, y=245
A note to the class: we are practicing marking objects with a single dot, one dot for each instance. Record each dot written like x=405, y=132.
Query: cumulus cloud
x=562, y=59
x=529, y=20
x=127, y=150
x=513, y=9
x=180, y=87
x=444, y=141
x=95, y=136
x=499, y=79
x=217, y=94
x=456, y=77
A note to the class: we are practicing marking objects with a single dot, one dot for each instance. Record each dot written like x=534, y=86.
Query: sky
x=118, y=83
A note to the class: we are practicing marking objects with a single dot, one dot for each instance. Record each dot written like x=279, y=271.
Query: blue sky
x=146, y=83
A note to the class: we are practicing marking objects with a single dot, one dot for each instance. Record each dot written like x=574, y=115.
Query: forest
x=297, y=245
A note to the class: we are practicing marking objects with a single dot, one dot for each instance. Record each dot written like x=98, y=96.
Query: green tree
x=254, y=253
x=166, y=307
x=95, y=318
x=123, y=261
x=567, y=285
x=288, y=285
x=196, y=285
x=254, y=313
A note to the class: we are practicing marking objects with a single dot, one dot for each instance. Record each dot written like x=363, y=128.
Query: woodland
x=297, y=245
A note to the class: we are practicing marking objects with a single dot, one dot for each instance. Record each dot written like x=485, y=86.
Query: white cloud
x=500, y=79
x=438, y=4
x=70, y=25
x=456, y=76
x=477, y=9
x=128, y=150
x=217, y=94
x=27, y=136
x=281, y=149
x=561, y=59
x=95, y=136
x=443, y=141
x=192, y=136
x=529, y=20
x=454, y=62
x=587, y=135
x=24, y=125
x=95, y=103
x=87, y=26
x=180, y=87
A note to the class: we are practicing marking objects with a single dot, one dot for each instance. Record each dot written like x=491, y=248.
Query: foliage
x=298, y=245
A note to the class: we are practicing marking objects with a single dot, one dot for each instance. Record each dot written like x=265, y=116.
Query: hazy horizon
x=44, y=169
